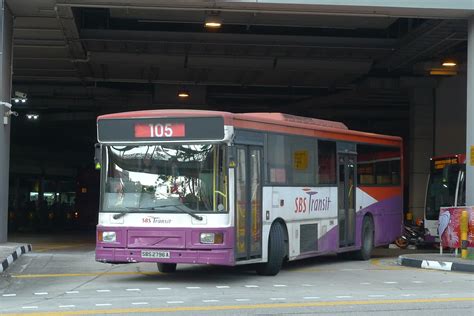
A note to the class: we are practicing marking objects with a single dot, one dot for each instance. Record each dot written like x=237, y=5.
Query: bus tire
x=367, y=240
x=276, y=251
x=166, y=267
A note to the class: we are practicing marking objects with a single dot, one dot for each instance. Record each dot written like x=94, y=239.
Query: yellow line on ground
x=60, y=275
x=376, y=262
x=243, y=307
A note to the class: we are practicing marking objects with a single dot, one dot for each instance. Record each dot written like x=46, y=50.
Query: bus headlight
x=211, y=238
x=107, y=236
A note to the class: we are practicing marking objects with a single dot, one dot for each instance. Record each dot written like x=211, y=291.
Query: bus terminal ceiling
x=76, y=60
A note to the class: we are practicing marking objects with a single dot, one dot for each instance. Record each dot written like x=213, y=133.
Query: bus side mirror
x=97, y=156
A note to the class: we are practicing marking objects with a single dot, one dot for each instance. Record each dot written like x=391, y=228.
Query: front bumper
x=127, y=255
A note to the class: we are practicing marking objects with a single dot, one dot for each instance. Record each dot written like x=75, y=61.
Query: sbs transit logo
x=313, y=202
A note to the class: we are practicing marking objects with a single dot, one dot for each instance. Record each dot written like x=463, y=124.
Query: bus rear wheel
x=276, y=251
x=367, y=241
x=166, y=267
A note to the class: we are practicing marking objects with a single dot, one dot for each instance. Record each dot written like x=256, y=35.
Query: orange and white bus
x=205, y=187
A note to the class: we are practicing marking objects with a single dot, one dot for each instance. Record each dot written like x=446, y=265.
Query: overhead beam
x=440, y=9
x=224, y=39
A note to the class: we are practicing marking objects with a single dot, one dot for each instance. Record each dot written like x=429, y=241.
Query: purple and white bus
x=205, y=187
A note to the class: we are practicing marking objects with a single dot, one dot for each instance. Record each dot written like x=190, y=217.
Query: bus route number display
x=159, y=130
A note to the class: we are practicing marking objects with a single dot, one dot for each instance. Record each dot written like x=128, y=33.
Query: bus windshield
x=165, y=178
x=441, y=190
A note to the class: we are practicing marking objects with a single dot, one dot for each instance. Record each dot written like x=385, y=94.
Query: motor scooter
x=413, y=234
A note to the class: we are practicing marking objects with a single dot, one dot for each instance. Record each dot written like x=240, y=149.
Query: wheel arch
x=282, y=222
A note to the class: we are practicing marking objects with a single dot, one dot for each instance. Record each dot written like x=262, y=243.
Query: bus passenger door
x=346, y=200
x=248, y=220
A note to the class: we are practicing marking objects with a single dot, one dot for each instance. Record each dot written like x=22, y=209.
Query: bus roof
x=274, y=122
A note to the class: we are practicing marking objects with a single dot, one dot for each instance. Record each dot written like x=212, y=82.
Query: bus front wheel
x=367, y=240
x=276, y=251
x=166, y=267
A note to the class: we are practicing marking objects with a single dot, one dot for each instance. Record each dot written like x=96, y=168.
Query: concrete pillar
x=450, y=116
x=470, y=115
x=420, y=145
x=6, y=43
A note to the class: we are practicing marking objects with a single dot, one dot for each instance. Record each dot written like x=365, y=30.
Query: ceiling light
x=19, y=97
x=32, y=116
x=183, y=94
x=449, y=63
x=443, y=72
x=213, y=22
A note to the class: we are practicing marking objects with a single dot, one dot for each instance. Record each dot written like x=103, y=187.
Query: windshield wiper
x=183, y=210
x=122, y=214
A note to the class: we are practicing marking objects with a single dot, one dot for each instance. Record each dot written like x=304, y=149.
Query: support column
x=6, y=43
x=420, y=143
x=470, y=116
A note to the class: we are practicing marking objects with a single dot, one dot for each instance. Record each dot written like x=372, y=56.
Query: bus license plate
x=155, y=254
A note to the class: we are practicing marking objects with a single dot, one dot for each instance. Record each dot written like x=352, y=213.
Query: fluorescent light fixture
x=443, y=72
x=182, y=94
x=213, y=22
x=449, y=63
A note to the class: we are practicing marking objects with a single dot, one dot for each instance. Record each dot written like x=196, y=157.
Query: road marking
x=29, y=307
x=365, y=283
x=279, y=305
x=175, y=302
x=343, y=296
x=51, y=246
x=391, y=282
x=210, y=301
x=376, y=295
x=277, y=298
x=133, y=290
x=67, y=306
x=104, y=304
x=242, y=299
x=163, y=288
x=376, y=262
x=8, y=295
x=306, y=285
x=193, y=287
x=407, y=295
x=223, y=287
x=251, y=286
x=352, y=269
x=418, y=282
x=443, y=294
x=311, y=297
x=41, y=293
x=62, y=275
x=279, y=285
x=72, y=292
x=103, y=291
x=140, y=303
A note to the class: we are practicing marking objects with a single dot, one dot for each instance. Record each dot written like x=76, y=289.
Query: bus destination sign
x=160, y=129
x=443, y=162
